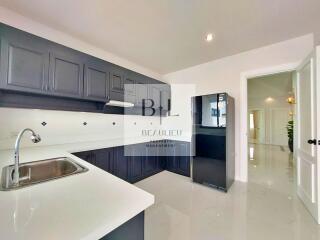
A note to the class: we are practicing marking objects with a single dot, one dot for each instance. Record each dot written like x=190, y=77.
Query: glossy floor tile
x=266, y=208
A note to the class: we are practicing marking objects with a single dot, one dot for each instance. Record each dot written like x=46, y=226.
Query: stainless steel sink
x=39, y=171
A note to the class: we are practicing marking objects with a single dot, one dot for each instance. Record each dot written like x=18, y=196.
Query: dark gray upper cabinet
x=116, y=83
x=141, y=90
x=129, y=87
x=38, y=67
x=154, y=95
x=165, y=98
x=96, y=80
x=66, y=74
x=24, y=61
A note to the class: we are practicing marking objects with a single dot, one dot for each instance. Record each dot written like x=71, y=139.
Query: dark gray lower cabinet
x=104, y=159
x=179, y=165
x=135, y=162
x=136, y=168
x=131, y=230
x=120, y=163
x=151, y=163
x=87, y=156
x=179, y=161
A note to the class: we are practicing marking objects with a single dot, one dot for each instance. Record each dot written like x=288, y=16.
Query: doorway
x=306, y=133
x=270, y=161
x=256, y=126
x=269, y=109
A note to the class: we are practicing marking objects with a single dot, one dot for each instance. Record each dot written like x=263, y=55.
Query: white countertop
x=83, y=206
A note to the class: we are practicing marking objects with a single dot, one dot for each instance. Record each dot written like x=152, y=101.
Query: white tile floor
x=266, y=208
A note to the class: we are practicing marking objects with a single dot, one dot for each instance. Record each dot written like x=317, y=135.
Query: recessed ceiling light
x=209, y=37
x=269, y=100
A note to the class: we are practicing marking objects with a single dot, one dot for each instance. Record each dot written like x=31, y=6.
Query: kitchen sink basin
x=40, y=171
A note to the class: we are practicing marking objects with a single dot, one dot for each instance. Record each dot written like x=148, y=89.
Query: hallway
x=265, y=208
x=272, y=167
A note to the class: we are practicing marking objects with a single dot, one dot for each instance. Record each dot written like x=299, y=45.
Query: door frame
x=244, y=76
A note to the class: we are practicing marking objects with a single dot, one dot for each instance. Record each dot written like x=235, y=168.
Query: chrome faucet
x=34, y=138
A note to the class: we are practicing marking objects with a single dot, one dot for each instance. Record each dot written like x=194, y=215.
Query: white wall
x=18, y=21
x=224, y=75
x=180, y=119
x=67, y=127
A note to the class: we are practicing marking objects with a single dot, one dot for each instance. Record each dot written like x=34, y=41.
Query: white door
x=256, y=126
x=279, y=118
x=307, y=134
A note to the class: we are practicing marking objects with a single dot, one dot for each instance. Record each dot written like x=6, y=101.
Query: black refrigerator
x=213, y=161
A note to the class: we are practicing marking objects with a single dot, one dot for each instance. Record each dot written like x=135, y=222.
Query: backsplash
x=60, y=127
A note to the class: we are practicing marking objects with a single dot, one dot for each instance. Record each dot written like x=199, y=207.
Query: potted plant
x=290, y=134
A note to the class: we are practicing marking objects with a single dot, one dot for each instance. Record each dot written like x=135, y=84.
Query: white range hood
x=119, y=104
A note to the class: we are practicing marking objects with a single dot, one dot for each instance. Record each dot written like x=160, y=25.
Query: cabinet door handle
x=312, y=141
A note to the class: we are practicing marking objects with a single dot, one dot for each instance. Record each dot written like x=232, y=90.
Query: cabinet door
x=116, y=83
x=129, y=89
x=172, y=163
x=121, y=163
x=135, y=162
x=86, y=155
x=166, y=98
x=141, y=90
x=151, y=161
x=184, y=165
x=96, y=81
x=104, y=159
x=154, y=95
x=151, y=165
x=136, y=173
x=24, y=62
x=141, y=93
x=171, y=160
x=183, y=158
x=66, y=75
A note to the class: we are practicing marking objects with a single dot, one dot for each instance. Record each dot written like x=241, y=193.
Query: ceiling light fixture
x=209, y=37
x=269, y=100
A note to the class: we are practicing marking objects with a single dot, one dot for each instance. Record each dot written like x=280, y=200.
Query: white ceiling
x=168, y=35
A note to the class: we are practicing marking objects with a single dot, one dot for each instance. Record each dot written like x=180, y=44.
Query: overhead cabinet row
x=30, y=64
